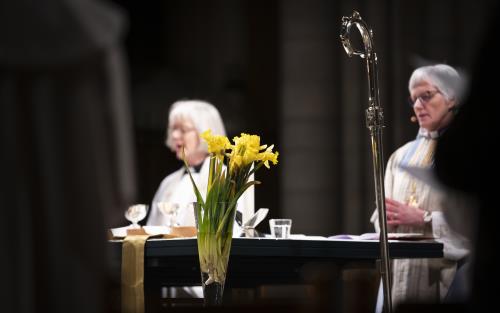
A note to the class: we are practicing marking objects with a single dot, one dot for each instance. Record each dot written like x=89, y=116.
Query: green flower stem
x=213, y=251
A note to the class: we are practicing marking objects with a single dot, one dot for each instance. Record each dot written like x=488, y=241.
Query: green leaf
x=196, y=191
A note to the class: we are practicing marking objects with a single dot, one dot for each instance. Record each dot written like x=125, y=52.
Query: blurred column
x=309, y=147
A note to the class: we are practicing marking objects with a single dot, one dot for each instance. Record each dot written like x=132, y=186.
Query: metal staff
x=375, y=123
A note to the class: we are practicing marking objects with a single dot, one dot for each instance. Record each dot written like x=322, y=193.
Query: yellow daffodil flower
x=216, y=144
x=268, y=155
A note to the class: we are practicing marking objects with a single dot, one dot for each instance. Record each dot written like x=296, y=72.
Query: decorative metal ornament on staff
x=375, y=123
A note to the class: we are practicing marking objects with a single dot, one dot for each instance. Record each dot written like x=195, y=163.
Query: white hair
x=444, y=77
x=202, y=114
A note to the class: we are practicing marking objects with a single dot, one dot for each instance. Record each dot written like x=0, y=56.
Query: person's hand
x=402, y=214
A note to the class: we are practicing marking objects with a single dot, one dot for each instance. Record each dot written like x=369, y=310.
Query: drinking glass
x=280, y=227
x=170, y=210
x=136, y=213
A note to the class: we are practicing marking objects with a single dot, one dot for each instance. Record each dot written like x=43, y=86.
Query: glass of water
x=280, y=228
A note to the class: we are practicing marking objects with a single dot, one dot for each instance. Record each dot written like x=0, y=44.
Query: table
x=258, y=262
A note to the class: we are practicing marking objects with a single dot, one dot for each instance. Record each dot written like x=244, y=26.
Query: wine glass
x=170, y=210
x=136, y=213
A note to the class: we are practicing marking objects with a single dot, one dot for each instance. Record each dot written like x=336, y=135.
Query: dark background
x=277, y=69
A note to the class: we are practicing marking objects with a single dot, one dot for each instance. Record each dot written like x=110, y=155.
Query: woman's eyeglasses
x=182, y=130
x=424, y=97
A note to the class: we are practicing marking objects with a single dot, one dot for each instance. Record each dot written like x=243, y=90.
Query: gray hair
x=203, y=115
x=444, y=77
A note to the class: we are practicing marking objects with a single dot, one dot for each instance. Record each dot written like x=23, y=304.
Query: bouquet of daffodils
x=231, y=166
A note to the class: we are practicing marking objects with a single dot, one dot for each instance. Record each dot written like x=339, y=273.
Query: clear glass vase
x=214, y=226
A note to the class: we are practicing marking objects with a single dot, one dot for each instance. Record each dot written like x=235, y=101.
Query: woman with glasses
x=187, y=119
x=414, y=206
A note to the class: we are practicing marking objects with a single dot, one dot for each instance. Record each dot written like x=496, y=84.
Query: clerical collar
x=196, y=168
x=422, y=132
